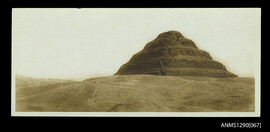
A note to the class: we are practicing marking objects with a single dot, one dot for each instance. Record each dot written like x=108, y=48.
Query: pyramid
x=171, y=54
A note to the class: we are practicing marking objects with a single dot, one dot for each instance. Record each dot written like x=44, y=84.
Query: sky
x=70, y=43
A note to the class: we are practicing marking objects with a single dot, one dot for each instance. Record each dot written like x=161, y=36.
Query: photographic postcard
x=136, y=62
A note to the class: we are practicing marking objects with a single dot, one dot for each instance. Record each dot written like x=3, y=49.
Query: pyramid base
x=182, y=72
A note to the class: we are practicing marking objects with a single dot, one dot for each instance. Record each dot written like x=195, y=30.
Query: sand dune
x=140, y=93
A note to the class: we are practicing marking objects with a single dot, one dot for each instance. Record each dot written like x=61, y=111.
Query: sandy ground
x=139, y=93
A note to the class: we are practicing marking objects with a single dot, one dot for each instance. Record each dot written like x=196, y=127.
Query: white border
x=137, y=114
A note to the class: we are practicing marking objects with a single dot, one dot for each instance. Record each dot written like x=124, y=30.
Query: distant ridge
x=26, y=81
x=174, y=55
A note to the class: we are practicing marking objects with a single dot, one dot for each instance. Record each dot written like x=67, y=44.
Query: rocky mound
x=174, y=55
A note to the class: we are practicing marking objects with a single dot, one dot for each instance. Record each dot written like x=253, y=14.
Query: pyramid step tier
x=167, y=42
x=170, y=51
x=172, y=63
x=183, y=72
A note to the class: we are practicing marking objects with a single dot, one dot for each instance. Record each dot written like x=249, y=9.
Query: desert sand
x=136, y=93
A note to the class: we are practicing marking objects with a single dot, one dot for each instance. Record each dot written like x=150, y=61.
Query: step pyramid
x=171, y=54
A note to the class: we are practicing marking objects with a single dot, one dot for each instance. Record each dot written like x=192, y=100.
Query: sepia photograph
x=136, y=62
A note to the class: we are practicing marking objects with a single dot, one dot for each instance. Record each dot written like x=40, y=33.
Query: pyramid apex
x=171, y=33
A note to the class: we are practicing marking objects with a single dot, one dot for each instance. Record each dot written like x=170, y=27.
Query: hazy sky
x=82, y=43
